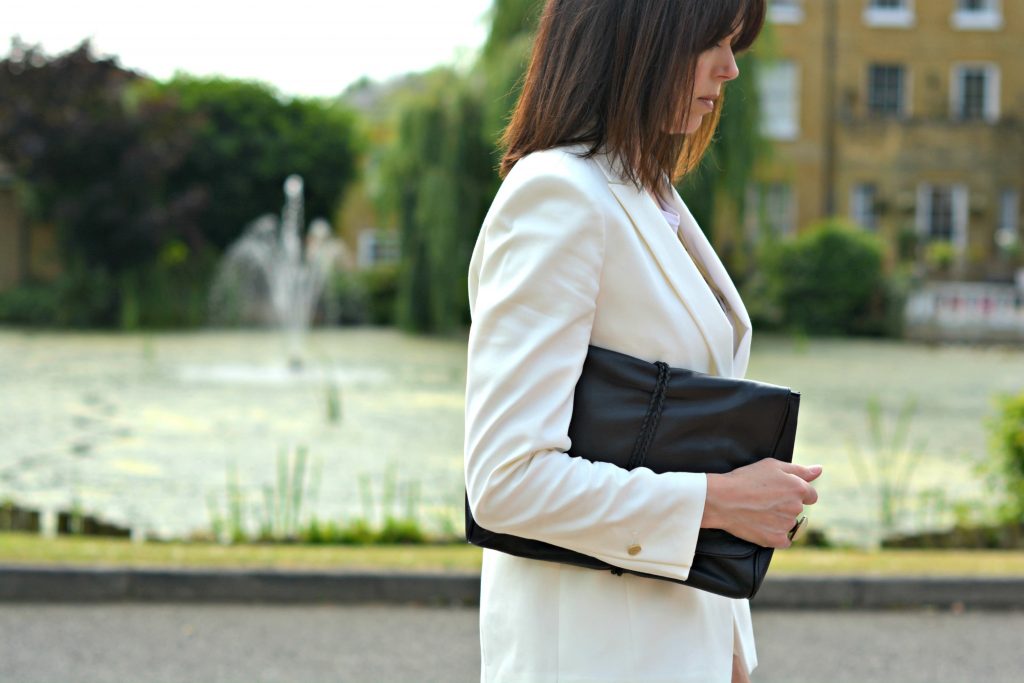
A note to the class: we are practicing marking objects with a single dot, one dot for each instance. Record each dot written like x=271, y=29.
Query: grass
x=24, y=548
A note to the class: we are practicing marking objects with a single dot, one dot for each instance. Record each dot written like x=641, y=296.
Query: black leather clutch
x=634, y=413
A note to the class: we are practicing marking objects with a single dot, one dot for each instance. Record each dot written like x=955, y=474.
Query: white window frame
x=988, y=19
x=992, y=89
x=886, y=17
x=960, y=212
x=859, y=207
x=792, y=12
x=774, y=129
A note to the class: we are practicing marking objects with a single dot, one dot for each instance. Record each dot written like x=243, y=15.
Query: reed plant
x=394, y=520
x=282, y=504
x=332, y=396
x=885, y=469
x=228, y=527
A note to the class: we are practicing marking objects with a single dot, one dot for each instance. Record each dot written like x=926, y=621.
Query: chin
x=691, y=129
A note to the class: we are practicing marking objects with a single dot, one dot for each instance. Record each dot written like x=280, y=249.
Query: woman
x=587, y=242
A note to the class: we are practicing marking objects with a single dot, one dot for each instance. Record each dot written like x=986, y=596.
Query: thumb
x=806, y=473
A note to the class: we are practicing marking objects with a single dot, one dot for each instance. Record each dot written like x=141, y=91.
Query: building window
x=779, y=86
x=1009, y=210
x=864, y=205
x=889, y=13
x=376, y=247
x=1008, y=226
x=770, y=208
x=978, y=15
x=886, y=90
x=975, y=92
x=786, y=11
x=942, y=213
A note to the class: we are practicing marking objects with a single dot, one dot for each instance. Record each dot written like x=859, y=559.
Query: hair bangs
x=729, y=15
x=750, y=17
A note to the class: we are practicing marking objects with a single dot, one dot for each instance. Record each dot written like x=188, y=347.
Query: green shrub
x=357, y=532
x=86, y=297
x=362, y=297
x=381, y=286
x=759, y=301
x=939, y=255
x=1007, y=441
x=823, y=281
x=883, y=316
x=400, y=531
x=169, y=293
x=30, y=304
x=907, y=239
x=346, y=299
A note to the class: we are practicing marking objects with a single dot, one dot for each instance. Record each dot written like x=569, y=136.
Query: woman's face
x=715, y=67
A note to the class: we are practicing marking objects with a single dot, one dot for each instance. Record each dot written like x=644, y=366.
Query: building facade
x=906, y=116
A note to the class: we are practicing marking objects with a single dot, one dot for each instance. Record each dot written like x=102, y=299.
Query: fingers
x=810, y=496
x=808, y=474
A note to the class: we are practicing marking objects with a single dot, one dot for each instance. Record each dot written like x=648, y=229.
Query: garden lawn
x=22, y=548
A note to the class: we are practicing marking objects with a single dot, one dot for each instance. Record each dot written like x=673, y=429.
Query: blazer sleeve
x=533, y=286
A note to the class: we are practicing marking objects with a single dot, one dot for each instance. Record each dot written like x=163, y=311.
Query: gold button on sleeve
x=633, y=549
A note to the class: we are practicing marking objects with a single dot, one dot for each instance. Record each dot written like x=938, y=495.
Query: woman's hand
x=760, y=502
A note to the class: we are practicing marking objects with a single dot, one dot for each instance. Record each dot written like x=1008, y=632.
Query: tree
x=438, y=176
x=502, y=65
x=247, y=140
x=440, y=172
x=146, y=182
x=95, y=164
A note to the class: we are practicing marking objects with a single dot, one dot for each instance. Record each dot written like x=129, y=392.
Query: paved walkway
x=203, y=643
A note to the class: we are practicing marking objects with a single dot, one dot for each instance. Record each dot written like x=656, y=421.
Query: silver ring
x=800, y=523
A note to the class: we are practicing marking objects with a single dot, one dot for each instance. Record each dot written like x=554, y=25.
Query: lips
x=708, y=101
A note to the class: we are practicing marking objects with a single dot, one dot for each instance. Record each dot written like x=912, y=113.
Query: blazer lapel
x=699, y=243
x=681, y=272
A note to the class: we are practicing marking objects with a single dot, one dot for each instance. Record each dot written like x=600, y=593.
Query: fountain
x=269, y=276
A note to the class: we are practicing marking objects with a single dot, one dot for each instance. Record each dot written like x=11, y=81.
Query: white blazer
x=570, y=255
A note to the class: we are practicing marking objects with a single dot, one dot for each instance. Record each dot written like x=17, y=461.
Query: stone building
x=906, y=116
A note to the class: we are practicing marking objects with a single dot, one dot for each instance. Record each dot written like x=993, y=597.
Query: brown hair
x=608, y=73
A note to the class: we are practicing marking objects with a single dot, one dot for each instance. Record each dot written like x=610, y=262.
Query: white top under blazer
x=570, y=254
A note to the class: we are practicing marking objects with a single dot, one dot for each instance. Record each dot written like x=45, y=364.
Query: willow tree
x=438, y=174
x=503, y=60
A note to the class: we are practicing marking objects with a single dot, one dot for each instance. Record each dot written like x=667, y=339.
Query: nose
x=728, y=70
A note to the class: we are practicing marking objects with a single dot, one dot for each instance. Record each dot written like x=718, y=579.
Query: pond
x=143, y=429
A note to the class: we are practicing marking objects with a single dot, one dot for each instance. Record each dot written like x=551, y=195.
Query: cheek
x=702, y=77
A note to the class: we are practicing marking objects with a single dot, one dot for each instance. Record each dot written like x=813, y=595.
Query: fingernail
x=816, y=469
